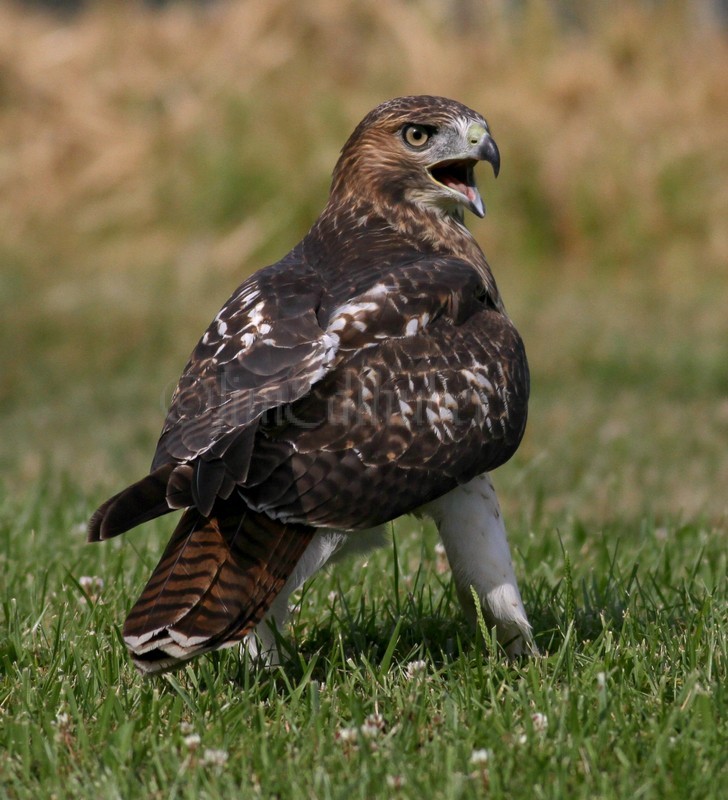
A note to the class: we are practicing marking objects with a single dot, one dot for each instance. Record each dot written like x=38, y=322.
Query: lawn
x=386, y=692
x=148, y=162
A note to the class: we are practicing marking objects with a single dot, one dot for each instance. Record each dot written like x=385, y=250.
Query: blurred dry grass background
x=149, y=161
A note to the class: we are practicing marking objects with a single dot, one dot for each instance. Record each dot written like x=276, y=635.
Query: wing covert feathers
x=213, y=584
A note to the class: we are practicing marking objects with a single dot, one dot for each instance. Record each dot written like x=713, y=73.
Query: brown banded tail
x=213, y=584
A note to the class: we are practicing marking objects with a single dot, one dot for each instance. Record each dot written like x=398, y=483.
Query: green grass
x=386, y=691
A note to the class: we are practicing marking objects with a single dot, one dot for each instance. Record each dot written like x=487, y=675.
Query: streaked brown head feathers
x=415, y=154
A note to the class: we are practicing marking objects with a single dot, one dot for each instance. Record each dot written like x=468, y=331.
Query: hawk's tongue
x=453, y=183
x=470, y=192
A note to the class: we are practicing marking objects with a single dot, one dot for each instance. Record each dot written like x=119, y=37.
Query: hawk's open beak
x=458, y=174
x=488, y=151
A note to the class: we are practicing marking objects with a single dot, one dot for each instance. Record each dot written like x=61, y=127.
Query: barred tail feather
x=213, y=584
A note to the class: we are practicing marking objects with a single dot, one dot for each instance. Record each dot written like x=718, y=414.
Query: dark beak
x=488, y=151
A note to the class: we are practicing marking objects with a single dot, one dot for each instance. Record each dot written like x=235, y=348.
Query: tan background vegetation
x=150, y=161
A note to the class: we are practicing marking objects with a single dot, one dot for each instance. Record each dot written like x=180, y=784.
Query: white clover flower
x=92, y=585
x=415, y=668
x=347, y=734
x=373, y=727
x=192, y=741
x=62, y=719
x=540, y=721
x=217, y=758
x=481, y=756
x=441, y=562
x=62, y=724
x=396, y=781
x=376, y=720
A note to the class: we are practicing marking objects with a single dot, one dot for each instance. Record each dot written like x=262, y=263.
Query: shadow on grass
x=381, y=639
x=377, y=640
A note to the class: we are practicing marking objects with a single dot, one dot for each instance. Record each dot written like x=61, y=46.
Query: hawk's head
x=418, y=152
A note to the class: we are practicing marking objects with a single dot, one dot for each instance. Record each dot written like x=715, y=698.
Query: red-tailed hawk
x=370, y=373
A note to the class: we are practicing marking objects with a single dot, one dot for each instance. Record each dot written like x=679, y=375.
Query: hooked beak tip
x=489, y=152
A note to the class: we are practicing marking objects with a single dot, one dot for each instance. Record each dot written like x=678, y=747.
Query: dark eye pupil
x=416, y=135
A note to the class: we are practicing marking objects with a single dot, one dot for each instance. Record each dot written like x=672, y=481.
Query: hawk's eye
x=416, y=135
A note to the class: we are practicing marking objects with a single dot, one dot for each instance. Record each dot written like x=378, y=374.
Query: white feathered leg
x=326, y=545
x=472, y=530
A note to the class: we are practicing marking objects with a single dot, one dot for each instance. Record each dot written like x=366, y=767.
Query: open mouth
x=458, y=176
